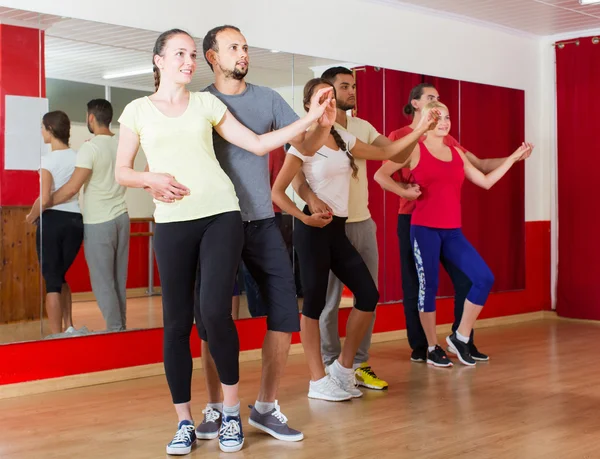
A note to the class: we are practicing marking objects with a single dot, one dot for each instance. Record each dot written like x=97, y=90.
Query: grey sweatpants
x=106, y=247
x=363, y=237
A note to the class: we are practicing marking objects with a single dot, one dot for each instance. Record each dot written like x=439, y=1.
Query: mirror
x=23, y=104
x=74, y=66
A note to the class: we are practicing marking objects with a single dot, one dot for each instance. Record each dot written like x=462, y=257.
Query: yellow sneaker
x=367, y=378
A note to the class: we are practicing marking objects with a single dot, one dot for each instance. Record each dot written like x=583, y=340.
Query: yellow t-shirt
x=183, y=147
x=103, y=197
x=358, y=205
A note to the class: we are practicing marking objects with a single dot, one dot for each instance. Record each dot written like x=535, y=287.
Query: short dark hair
x=57, y=123
x=210, y=40
x=332, y=73
x=102, y=110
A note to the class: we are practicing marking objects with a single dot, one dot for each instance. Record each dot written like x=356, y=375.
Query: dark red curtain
x=369, y=106
x=492, y=125
x=578, y=98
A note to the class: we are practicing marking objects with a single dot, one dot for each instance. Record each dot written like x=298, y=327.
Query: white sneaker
x=326, y=389
x=72, y=331
x=346, y=381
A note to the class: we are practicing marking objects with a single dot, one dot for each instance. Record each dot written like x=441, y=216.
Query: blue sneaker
x=183, y=440
x=231, y=437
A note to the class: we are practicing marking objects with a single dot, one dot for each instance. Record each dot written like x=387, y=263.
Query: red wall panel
x=21, y=74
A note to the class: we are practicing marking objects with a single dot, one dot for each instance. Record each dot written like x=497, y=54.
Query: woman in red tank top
x=404, y=186
x=440, y=170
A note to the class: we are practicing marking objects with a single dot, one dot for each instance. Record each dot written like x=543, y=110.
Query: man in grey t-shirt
x=264, y=254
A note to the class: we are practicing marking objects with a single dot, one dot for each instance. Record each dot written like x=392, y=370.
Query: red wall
x=21, y=74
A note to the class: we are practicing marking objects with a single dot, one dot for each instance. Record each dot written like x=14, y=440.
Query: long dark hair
x=415, y=94
x=159, y=48
x=309, y=90
x=58, y=124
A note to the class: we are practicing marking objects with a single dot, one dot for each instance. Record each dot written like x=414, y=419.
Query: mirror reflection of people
x=199, y=232
x=105, y=217
x=360, y=229
x=322, y=245
x=439, y=170
x=409, y=192
x=62, y=224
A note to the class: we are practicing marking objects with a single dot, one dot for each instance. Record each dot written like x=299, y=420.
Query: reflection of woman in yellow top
x=198, y=219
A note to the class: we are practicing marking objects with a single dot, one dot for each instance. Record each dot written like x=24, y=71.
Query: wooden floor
x=538, y=397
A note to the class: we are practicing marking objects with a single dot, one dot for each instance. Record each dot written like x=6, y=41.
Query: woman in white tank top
x=61, y=225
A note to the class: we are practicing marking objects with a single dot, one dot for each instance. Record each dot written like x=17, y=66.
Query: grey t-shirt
x=261, y=110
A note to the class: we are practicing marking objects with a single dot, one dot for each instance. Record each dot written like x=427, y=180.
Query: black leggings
x=323, y=249
x=57, y=243
x=214, y=243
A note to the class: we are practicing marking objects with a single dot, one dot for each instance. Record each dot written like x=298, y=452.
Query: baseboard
x=447, y=328
x=552, y=315
x=157, y=369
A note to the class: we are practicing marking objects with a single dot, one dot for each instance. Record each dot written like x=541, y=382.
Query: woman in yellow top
x=198, y=219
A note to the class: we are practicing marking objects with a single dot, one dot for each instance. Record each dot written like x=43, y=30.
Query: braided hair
x=159, y=48
x=309, y=89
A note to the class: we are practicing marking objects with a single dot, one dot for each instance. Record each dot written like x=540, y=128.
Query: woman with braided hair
x=198, y=221
x=322, y=245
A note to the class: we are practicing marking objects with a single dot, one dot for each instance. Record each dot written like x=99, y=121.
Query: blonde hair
x=431, y=105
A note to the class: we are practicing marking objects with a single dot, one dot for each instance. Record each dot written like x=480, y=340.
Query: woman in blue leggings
x=440, y=170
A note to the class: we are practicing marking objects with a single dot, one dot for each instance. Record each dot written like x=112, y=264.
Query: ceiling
x=84, y=51
x=536, y=17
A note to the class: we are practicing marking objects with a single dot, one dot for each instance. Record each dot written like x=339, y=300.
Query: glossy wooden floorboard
x=537, y=398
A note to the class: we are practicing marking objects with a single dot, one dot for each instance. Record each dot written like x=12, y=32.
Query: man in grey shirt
x=265, y=255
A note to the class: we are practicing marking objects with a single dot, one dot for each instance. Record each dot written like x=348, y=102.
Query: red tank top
x=405, y=175
x=441, y=184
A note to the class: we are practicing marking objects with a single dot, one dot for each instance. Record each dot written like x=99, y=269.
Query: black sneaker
x=438, y=358
x=460, y=349
x=479, y=356
x=419, y=354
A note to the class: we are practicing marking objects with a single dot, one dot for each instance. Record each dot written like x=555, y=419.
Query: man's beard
x=345, y=106
x=235, y=74
x=90, y=128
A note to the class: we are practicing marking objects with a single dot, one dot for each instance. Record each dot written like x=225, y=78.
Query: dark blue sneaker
x=231, y=437
x=183, y=440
